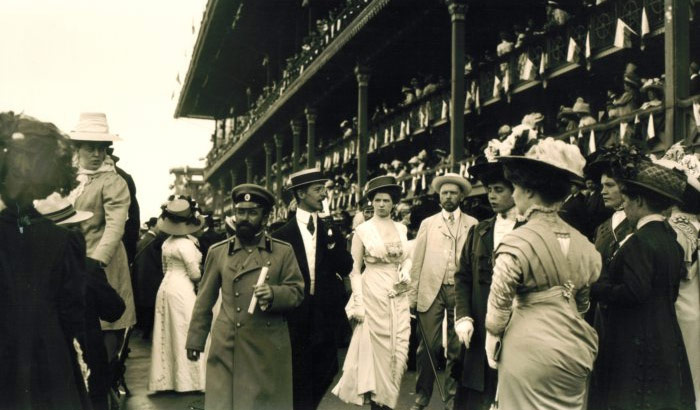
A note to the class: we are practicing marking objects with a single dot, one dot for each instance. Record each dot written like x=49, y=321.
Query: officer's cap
x=251, y=196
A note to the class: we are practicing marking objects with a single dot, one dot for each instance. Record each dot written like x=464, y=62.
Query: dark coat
x=250, y=357
x=574, y=211
x=102, y=302
x=642, y=361
x=472, y=287
x=132, y=225
x=313, y=325
x=147, y=270
x=42, y=309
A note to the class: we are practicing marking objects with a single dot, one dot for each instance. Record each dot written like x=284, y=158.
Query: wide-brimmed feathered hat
x=555, y=155
x=180, y=216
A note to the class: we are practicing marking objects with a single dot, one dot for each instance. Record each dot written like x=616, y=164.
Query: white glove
x=491, y=342
x=358, y=309
x=464, y=328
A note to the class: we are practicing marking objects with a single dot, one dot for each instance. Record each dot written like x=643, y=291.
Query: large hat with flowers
x=581, y=107
x=180, y=216
x=660, y=180
x=653, y=84
x=92, y=126
x=617, y=161
x=676, y=158
x=555, y=155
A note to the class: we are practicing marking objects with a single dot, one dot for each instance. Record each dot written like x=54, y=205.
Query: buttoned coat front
x=250, y=358
x=433, y=244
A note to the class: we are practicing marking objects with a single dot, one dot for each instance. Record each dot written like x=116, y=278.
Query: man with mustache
x=438, y=245
x=322, y=257
x=250, y=358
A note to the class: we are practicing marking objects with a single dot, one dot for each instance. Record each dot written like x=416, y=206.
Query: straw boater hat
x=60, y=210
x=452, y=178
x=92, y=126
x=387, y=182
x=555, y=155
x=306, y=177
x=179, y=217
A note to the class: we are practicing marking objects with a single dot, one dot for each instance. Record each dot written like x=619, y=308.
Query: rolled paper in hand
x=254, y=299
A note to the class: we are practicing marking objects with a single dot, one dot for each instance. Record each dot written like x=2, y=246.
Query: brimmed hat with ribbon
x=92, y=126
x=653, y=84
x=60, y=210
x=658, y=179
x=555, y=155
x=306, y=177
x=676, y=158
x=452, y=178
x=565, y=112
x=384, y=182
x=581, y=107
x=180, y=217
x=618, y=161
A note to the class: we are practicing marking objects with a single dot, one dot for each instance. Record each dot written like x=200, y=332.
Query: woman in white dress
x=376, y=358
x=170, y=369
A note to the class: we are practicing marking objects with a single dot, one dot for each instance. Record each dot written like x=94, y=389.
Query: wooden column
x=457, y=11
x=362, y=76
x=233, y=173
x=278, y=159
x=677, y=61
x=296, y=144
x=220, y=196
x=268, y=166
x=249, y=170
x=310, y=137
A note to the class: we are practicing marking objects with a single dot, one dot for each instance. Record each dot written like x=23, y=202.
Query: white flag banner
x=528, y=73
x=623, y=131
x=645, y=22
x=623, y=35
x=573, y=52
x=496, y=86
x=651, y=132
x=591, y=143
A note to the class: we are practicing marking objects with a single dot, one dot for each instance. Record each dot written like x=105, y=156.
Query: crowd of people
x=564, y=296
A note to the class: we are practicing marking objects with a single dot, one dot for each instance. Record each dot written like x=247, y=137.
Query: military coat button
x=236, y=294
x=238, y=309
x=268, y=324
x=238, y=324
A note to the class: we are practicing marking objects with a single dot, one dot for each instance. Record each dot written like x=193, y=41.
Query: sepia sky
x=63, y=57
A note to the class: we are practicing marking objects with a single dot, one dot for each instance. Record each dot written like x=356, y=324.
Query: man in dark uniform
x=477, y=381
x=250, y=357
x=322, y=256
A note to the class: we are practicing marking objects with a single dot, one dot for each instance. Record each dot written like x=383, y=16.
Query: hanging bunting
x=651, y=132
x=445, y=110
x=623, y=35
x=496, y=86
x=573, y=52
x=528, y=73
x=422, y=182
x=572, y=139
x=543, y=68
x=623, y=132
x=645, y=27
x=506, y=81
x=477, y=102
x=588, y=50
x=591, y=143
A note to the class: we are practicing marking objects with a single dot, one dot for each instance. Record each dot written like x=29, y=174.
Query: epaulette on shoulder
x=280, y=242
x=217, y=244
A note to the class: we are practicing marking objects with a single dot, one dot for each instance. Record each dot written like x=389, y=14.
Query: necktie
x=310, y=226
x=451, y=220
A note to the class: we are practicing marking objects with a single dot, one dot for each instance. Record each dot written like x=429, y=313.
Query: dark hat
x=633, y=79
x=251, y=195
x=659, y=180
x=485, y=171
x=152, y=221
x=382, y=182
x=565, y=112
x=306, y=177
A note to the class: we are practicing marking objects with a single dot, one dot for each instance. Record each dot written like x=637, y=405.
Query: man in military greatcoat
x=322, y=256
x=250, y=358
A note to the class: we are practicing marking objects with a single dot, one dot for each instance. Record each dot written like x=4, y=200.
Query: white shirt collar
x=510, y=215
x=446, y=215
x=617, y=218
x=649, y=218
x=303, y=216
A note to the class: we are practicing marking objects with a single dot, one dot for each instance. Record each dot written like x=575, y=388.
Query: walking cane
x=430, y=357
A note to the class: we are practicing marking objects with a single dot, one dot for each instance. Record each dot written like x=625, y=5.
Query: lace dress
x=170, y=368
x=378, y=351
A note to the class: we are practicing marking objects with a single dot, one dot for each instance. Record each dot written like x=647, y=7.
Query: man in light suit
x=436, y=255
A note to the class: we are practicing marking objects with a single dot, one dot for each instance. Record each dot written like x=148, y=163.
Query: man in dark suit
x=477, y=381
x=322, y=256
x=133, y=222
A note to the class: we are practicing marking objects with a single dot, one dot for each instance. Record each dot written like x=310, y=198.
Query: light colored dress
x=688, y=302
x=378, y=351
x=170, y=368
x=539, y=291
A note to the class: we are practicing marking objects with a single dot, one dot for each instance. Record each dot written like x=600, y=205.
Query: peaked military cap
x=252, y=194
